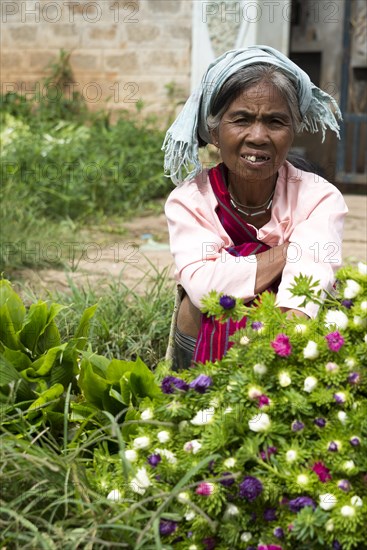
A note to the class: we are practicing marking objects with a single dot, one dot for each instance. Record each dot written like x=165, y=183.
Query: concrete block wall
x=122, y=51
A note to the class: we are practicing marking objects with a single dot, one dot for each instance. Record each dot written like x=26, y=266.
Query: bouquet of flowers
x=265, y=449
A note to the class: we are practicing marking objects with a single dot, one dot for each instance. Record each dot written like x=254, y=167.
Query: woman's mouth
x=256, y=158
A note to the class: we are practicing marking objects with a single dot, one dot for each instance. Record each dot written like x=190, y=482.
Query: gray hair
x=247, y=77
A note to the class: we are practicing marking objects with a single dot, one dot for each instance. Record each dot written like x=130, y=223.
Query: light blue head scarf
x=181, y=144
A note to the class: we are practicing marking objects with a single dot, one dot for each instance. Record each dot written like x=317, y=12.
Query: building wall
x=120, y=49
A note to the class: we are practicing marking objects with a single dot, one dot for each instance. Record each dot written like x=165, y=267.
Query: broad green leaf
x=125, y=388
x=93, y=385
x=44, y=364
x=9, y=375
x=8, y=334
x=98, y=361
x=142, y=386
x=49, y=338
x=34, y=324
x=82, y=331
x=49, y=395
x=62, y=373
x=14, y=304
x=17, y=358
x=118, y=368
x=130, y=430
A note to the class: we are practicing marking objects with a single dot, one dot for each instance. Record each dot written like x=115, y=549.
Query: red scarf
x=213, y=338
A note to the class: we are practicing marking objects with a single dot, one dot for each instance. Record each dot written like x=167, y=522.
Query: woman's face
x=255, y=135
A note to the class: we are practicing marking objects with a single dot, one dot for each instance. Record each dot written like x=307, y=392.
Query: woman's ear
x=214, y=136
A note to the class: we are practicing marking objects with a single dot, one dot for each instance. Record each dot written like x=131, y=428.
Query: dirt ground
x=143, y=251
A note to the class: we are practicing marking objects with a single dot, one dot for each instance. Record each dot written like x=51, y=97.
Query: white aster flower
x=310, y=384
x=301, y=328
x=114, y=495
x=140, y=483
x=327, y=501
x=352, y=289
x=365, y=338
x=364, y=305
x=359, y=321
x=356, y=501
x=246, y=536
x=244, y=341
x=336, y=318
x=260, y=369
x=362, y=268
x=193, y=446
x=347, y=511
x=350, y=362
x=348, y=465
x=192, y=546
x=163, y=436
x=183, y=498
x=254, y=392
x=206, y=416
x=311, y=351
x=131, y=455
x=141, y=442
x=329, y=525
x=291, y=455
x=284, y=379
x=342, y=416
x=229, y=462
x=302, y=479
x=168, y=455
x=147, y=414
x=190, y=516
x=231, y=510
x=259, y=422
x=228, y=410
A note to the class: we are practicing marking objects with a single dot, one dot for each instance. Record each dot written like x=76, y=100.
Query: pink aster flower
x=269, y=547
x=282, y=345
x=321, y=471
x=334, y=340
x=205, y=489
x=263, y=400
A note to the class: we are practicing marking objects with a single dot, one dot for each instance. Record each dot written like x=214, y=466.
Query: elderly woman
x=255, y=221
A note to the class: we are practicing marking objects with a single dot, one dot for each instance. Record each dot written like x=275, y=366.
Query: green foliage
x=61, y=161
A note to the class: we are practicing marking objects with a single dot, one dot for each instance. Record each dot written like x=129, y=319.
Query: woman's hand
x=270, y=265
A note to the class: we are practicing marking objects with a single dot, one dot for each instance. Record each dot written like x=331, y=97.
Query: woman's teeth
x=253, y=158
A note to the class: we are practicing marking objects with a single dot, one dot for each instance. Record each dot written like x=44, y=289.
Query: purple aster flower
x=282, y=345
x=347, y=303
x=256, y=325
x=320, y=422
x=268, y=452
x=278, y=533
x=209, y=543
x=201, y=383
x=333, y=447
x=211, y=465
x=226, y=479
x=250, y=488
x=263, y=400
x=355, y=441
x=298, y=503
x=270, y=514
x=170, y=383
x=167, y=527
x=337, y=545
x=297, y=426
x=353, y=378
x=322, y=472
x=344, y=485
x=154, y=460
x=227, y=302
x=339, y=397
x=335, y=340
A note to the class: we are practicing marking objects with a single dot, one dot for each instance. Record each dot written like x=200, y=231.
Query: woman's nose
x=257, y=134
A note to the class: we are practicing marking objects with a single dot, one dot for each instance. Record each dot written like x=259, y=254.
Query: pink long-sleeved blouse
x=307, y=211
